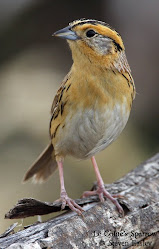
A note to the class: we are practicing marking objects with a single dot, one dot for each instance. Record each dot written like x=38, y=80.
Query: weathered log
x=100, y=226
x=30, y=207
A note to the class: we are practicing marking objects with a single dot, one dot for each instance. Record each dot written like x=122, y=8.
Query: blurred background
x=32, y=65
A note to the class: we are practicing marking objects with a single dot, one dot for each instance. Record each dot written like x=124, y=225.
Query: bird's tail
x=43, y=167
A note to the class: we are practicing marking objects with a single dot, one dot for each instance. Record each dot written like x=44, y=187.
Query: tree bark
x=101, y=225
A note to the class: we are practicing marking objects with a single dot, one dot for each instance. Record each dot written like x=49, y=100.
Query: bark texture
x=101, y=225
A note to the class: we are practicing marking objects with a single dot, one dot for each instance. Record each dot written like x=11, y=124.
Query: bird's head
x=91, y=38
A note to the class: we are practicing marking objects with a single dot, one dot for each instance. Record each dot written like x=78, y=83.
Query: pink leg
x=101, y=191
x=64, y=197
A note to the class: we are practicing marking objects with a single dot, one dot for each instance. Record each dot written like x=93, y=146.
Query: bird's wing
x=59, y=93
x=58, y=104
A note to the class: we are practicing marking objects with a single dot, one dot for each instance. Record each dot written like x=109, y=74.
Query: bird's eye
x=90, y=33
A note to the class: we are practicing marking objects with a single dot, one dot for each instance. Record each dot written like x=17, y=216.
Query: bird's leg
x=63, y=196
x=101, y=191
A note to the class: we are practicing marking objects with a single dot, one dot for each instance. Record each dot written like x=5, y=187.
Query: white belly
x=91, y=131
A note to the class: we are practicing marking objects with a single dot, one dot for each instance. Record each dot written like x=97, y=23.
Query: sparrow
x=91, y=107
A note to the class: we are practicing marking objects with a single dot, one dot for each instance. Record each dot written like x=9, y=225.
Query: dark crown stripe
x=84, y=21
x=91, y=21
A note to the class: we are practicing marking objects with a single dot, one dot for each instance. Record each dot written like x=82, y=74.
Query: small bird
x=91, y=107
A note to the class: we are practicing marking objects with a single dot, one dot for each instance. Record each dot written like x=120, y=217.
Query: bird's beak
x=66, y=33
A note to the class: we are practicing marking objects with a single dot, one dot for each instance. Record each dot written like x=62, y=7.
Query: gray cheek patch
x=100, y=44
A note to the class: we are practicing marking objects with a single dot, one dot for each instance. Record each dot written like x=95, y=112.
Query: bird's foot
x=65, y=200
x=102, y=192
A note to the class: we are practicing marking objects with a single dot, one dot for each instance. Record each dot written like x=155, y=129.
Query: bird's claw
x=101, y=192
x=66, y=201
